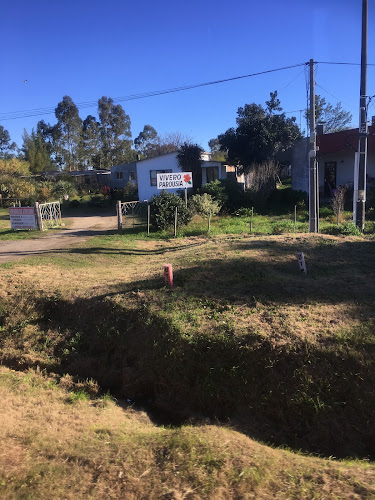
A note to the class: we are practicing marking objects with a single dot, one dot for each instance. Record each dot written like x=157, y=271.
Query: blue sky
x=87, y=49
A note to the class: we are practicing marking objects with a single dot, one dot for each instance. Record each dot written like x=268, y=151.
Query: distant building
x=336, y=153
x=144, y=172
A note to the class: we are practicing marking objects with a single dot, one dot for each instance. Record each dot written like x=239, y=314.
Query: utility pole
x=313, y=174
x=363, y=130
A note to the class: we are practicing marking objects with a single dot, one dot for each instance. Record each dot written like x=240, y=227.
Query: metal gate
x=50, y=214
x=131, y=214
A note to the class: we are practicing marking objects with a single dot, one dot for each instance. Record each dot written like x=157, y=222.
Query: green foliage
x=189, y=159
x=205, y=205
x=115, y=134
x=147, y=142
x=37, y=152
x=260, y=133
x=334, y=118
x=350, y=229
x=90, y=143
x=44, y=191
x=64, y=189
x=216, y=190
x=163, y=208
x=68, y=132
x=14, y=167
x=6, y=147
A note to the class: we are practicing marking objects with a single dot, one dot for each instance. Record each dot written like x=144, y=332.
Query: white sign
x=22, y=218
x=174, y=181
x=301, y=262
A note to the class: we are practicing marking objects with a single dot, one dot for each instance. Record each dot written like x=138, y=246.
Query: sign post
x=22, y=218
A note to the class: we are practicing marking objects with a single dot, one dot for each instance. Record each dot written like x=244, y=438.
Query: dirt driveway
x=79, y=230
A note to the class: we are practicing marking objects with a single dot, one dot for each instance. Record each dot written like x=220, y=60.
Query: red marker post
x=168, y=274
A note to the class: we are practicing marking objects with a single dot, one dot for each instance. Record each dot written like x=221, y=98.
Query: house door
x=330, y=170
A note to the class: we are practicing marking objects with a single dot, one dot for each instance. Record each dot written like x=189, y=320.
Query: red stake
x=168, y=274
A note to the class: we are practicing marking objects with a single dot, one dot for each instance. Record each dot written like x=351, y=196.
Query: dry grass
x=53, y=448
x=242, y=334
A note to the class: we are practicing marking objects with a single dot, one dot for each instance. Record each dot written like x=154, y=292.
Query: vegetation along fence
x=49, y=214
x=131, y=214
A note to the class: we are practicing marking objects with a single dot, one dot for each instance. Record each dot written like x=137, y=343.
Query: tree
x=190, y=160
x=147, y=142
x=90, y=143
x=115, y=134
x=6, y=147
x=216, y=153
x=261, y=132
x=334, y=118
x=67, y=133
x=36, y=152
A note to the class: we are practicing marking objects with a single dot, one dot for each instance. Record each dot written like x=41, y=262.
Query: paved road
x=80, y=229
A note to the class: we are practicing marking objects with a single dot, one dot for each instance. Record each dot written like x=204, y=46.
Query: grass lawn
x=243, y=347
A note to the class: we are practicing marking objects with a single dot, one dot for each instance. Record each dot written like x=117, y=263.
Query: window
x=132, y=176
x=212, y=174
x=119, y=175
x=153, y=174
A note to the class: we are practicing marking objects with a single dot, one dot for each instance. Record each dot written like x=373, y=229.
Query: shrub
x=338, y=201
x=74, y=204
x=162, y=211
x=64, y=189
x=216, y=190
x=204, y=204
x=350, y=229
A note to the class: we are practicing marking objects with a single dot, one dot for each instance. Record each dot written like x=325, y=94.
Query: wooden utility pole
x=363, y=129
x=313, y=176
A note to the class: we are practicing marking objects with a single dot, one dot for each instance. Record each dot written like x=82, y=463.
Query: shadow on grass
x=319, y=398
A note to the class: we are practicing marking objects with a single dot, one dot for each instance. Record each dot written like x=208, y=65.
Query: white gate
x=50, y=214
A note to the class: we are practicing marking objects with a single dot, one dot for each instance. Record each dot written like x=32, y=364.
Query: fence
x=48, y=214
x=131, y=214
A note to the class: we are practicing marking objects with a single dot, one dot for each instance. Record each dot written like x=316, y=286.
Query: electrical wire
x=14, y=115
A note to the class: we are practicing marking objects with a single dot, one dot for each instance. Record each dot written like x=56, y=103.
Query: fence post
x=148, y=219
x=175, y=223
x=186, y=197
x=209, y=221
x=119, y=216
x=295, y=218
x=38, y=216
x=251, y=220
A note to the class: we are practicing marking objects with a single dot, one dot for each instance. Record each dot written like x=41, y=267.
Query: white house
x=146, y=171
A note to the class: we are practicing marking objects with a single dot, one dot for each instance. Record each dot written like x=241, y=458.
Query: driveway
x=80, y=229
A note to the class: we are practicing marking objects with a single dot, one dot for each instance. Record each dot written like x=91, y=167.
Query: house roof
x=345, y=140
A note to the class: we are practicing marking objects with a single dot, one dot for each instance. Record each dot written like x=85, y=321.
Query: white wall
x=164, y=162
x=344, y=167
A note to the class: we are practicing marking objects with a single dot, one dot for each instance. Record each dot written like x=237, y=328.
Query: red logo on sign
x=187, y=179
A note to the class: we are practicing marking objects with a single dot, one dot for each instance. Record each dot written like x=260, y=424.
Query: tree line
x=76, y=144
x=99, y=143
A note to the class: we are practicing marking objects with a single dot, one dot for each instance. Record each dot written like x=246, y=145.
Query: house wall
x=345, y=167
x=166, y=162
x=144, y=167
x=126, y=169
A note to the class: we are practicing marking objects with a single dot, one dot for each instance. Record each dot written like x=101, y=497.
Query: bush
x=350, y=229
x=204, y=205
x=162, y=211
x=216, y=190
x=74, y=204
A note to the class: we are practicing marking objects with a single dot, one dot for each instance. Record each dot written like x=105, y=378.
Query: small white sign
x=301, y=262
x=22, y=218
x=175, y=180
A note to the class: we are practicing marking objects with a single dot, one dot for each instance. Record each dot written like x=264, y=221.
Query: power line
x=14, y=115
x=343, y=63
